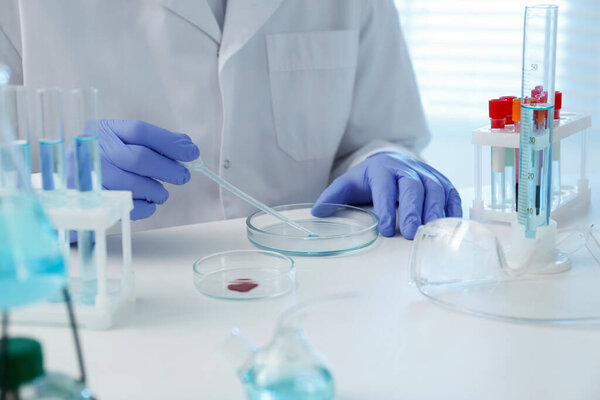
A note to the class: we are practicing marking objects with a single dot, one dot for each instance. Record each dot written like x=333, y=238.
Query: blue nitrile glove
x=390, y=180
x=135, y=155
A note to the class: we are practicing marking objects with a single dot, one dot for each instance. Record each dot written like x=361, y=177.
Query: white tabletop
x=390, y=343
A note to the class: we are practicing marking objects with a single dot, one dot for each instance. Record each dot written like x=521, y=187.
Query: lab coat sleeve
x=10, y=40
x=387, y=115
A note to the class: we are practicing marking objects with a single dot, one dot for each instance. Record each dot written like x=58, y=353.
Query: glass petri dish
x=244, y=274
x=347, y=228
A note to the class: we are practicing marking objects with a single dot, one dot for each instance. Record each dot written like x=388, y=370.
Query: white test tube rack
x=109, y=306
x=571, y=198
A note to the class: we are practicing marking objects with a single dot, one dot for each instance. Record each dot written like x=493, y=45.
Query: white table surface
x=390, y=343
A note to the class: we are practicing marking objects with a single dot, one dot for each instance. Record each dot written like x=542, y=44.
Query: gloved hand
x=135, y=155
x=390, y=180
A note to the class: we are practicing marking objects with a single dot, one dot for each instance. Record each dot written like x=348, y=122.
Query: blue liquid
x=311, y=384
x=52, y=160
x=87, y=157
x=31, y=264
x=88, y=180
x=535, y=166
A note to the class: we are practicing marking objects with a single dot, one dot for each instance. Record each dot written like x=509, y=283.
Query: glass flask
x=27, y=380
x=289, y=367
x=31, y=263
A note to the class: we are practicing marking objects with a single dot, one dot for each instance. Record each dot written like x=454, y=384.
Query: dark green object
x=25, y=361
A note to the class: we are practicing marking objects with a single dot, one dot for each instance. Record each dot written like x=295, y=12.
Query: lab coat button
x=226, y=164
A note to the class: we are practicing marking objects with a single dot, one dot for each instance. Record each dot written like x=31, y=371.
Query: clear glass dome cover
x=461, y=264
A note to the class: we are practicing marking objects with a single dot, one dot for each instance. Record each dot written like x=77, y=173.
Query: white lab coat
x=290, y=93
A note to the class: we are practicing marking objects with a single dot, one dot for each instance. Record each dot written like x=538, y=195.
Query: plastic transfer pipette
x=198, y=165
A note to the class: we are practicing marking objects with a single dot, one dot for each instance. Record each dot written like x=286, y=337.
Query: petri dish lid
x=347, y=228
x=244, y=274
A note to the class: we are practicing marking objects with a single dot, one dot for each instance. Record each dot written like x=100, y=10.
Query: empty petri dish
x=347, y=228
x=244, y=274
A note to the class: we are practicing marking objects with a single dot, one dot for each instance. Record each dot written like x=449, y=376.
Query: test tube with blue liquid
x=52, y=154
x=52, y=145
x=537, y=117
x=88, y=180
x=15, y=124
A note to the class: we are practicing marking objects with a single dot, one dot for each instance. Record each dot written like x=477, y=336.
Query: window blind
x=467, y=52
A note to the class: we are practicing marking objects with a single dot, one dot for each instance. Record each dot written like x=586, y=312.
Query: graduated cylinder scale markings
x=534, y=167
x=537, y=117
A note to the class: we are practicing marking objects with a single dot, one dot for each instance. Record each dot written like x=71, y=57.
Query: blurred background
x=467, y=52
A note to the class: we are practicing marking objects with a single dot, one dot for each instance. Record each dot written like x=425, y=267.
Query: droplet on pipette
x=242, y=285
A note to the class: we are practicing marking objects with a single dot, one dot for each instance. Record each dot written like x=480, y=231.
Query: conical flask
x=31, y=264
x=289, y=367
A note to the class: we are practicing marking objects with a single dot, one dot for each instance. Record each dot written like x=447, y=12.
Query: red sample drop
x=242, y=285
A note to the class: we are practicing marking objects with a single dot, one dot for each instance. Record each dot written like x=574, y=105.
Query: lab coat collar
x=198, y=13
x=243, y=18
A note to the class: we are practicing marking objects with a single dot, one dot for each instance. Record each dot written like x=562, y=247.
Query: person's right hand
x=136, y=155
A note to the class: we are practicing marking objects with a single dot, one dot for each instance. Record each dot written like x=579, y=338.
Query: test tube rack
x=571, y=198
x=109, y=305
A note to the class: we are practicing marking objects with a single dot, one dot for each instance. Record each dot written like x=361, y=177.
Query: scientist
x=280, y=96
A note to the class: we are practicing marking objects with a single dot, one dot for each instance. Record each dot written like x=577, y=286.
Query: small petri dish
x=347, y=228
x=244, y=274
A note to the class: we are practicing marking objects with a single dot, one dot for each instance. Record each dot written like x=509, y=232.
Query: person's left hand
x=390, y=180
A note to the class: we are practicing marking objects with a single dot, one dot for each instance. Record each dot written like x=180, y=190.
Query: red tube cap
x=557, y=100
x=497, y=109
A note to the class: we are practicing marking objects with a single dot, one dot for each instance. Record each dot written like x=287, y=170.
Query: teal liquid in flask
x=31, y=265
x=289, y=368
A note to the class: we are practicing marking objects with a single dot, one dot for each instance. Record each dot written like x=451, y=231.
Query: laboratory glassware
x=289, y=367
x=31, y=266
x=88, y=180
x=347, y=228
x=497, y=108
x=16, y=122
x=537, y=122
x=31, y=261
x=26, y=378
x=462, y=265
x=509, y=154
x=52, y=143
x=198, y=165
x=244, y=274
x=556, y=181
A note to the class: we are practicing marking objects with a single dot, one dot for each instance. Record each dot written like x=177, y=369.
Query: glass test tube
x=52, y=155
x=52, y=143
x=509, y=156
x=556, y=182
x=537, y=112
x=88, y=181
x=514, y=181
x=497, y=111
x=15, y=123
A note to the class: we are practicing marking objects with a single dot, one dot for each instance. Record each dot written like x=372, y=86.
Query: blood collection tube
x=556, y=181
x=516, y=116
x=497, y=110
x=516, y=113
x=497, y=114
x=508, y=104
x=557, y=104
